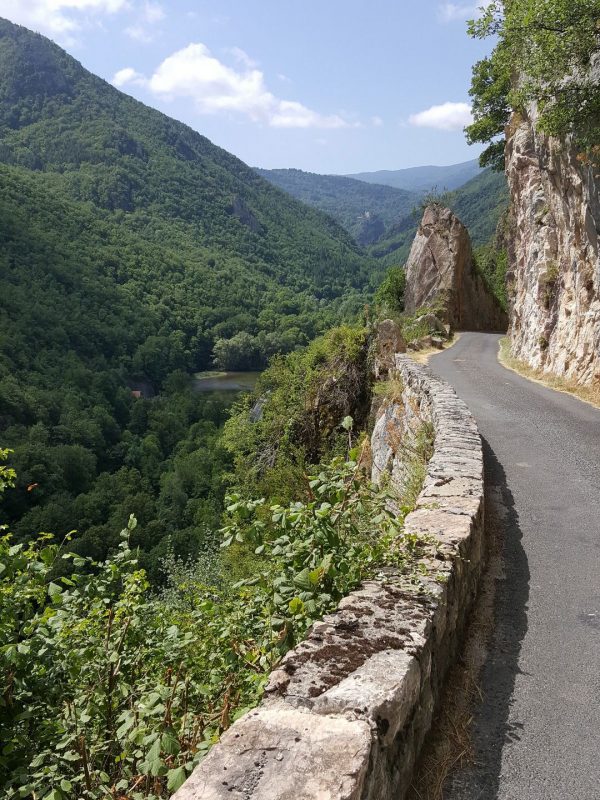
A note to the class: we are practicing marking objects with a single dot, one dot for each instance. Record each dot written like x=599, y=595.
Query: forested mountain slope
x=366, y=210
x=129, y=246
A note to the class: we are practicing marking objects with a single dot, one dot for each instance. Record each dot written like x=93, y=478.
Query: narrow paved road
x=537, y=731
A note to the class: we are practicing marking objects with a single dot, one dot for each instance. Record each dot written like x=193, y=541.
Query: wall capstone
x=346, y=712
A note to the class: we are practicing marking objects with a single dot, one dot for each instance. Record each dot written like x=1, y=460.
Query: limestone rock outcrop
x=554, y=262
x=441, y=272
x=388, y=342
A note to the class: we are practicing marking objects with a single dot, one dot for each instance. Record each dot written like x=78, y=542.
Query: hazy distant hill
x=423, y=179
x=366, y=210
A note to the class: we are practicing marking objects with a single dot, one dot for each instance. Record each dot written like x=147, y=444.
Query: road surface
x=537, y=731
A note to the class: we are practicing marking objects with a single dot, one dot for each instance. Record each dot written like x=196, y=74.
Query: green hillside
x=129, y=247
x=365, y=210
x=479, y=204
x=385, y=219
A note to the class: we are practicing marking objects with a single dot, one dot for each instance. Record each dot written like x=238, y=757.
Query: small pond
x=214, y=381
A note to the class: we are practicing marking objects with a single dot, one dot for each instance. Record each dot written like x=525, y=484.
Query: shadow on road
x=509, y=572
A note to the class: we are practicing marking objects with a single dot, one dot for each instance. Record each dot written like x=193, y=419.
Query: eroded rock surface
x=388, y=342
x=298, y=755
x=441, y=272
x=554, y=261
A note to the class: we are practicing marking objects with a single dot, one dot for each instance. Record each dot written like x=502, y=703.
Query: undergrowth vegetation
x=293, y=418
x=111, y=690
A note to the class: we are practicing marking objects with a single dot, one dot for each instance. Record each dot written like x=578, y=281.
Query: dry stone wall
x=346, y=712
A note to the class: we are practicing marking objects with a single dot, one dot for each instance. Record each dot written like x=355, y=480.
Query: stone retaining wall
x=346, y=712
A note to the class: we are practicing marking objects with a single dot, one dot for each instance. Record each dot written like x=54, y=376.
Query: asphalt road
x=537, y=730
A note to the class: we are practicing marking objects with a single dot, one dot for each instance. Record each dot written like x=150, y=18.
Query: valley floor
x=536, y=733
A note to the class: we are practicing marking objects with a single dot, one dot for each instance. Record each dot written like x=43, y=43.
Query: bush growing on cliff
x=389, y=298
x=545, y=53
x=293, y=418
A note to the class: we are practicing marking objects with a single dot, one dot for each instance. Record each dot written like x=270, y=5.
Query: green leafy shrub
x=313, y=553
x=110, y=690
x=389, y=298
x=293, y=419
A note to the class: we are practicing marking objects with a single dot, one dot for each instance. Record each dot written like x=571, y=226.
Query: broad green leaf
x=296, y=605
x=169, y=744
x=302, y=579
x=175, y=778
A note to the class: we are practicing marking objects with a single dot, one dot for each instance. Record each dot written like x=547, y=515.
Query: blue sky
x=334, y=86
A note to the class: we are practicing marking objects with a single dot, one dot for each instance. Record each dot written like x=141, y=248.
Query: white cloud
x=242, y=57
x=215, y=87
x=376, y=122
x=450, y=12
x=140, y=34
x=153, y=13
x=445, y=117
x=59, y=18
x=128, y=75
x=148, y=15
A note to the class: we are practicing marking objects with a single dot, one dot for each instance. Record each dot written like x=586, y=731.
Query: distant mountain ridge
x=365, y=210
x=423, y=179
x=384, y=219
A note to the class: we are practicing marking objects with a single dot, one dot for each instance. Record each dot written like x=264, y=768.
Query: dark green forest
x=365, y=210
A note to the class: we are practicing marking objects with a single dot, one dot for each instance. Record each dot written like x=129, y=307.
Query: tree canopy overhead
x=548, y=53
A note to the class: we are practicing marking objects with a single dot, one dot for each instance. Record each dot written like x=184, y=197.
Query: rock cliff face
x=554, y=265
x=441, y=271
x=388, y=342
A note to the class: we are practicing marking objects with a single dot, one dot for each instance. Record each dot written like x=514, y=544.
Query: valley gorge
x=369, y=570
